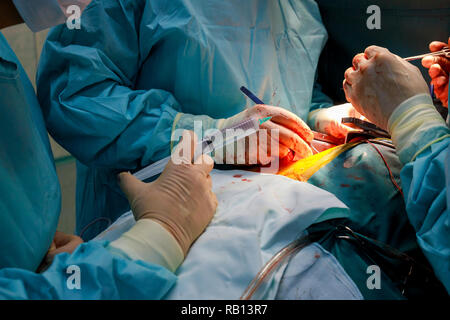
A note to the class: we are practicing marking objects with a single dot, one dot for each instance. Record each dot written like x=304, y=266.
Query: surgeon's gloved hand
x=439, y=69
x=181, y=199
x=292, y=136
x=329, y=120
x=379, y=82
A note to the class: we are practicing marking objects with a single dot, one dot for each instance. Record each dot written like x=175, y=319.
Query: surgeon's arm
x=392, y=93
x=422, y=140
x=87, y=90
x=177, y=207
x=91, y=272
x=171, y=213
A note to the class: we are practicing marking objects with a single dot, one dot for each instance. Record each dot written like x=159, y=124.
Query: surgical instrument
x=209, y=144
x=444, y=52
x=252, y=97
x=369, y=129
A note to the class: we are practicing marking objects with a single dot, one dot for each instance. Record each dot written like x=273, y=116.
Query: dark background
x=407, y=27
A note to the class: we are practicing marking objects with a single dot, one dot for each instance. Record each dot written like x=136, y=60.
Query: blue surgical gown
x=426, y=185
x=110, y=91
x=30, y=201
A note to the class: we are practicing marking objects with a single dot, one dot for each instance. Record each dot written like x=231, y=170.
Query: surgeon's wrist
x=312, y=116
x=414, y=125
x=405, y=106
x=149, y=241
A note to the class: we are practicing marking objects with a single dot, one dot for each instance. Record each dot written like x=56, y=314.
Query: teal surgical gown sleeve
x=91, y=272
x=30, y=201
x=422, y=139
x=319, y=99
x=87, y=86
x=30, y=196
x=111, y=90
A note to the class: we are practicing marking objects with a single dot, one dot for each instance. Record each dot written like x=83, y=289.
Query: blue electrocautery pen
x=256, y=100
x=249, y=94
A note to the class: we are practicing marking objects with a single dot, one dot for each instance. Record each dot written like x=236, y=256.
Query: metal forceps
x=445, y=52
x=368, y=129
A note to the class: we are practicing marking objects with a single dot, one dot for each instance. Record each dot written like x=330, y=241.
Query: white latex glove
x=294, y=135
x=180, y=200
x=329, y=120
x=379, y=82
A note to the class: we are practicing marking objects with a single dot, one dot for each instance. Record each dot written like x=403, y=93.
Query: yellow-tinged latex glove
x=293, y=134
x=439, y=69
x=415, y=125
x=181, y=201
x=329, y=120
x=149, y=241
x=379, y=82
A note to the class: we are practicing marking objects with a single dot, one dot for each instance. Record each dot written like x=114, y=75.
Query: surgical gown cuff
x=147, y=240
x=415, y=125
